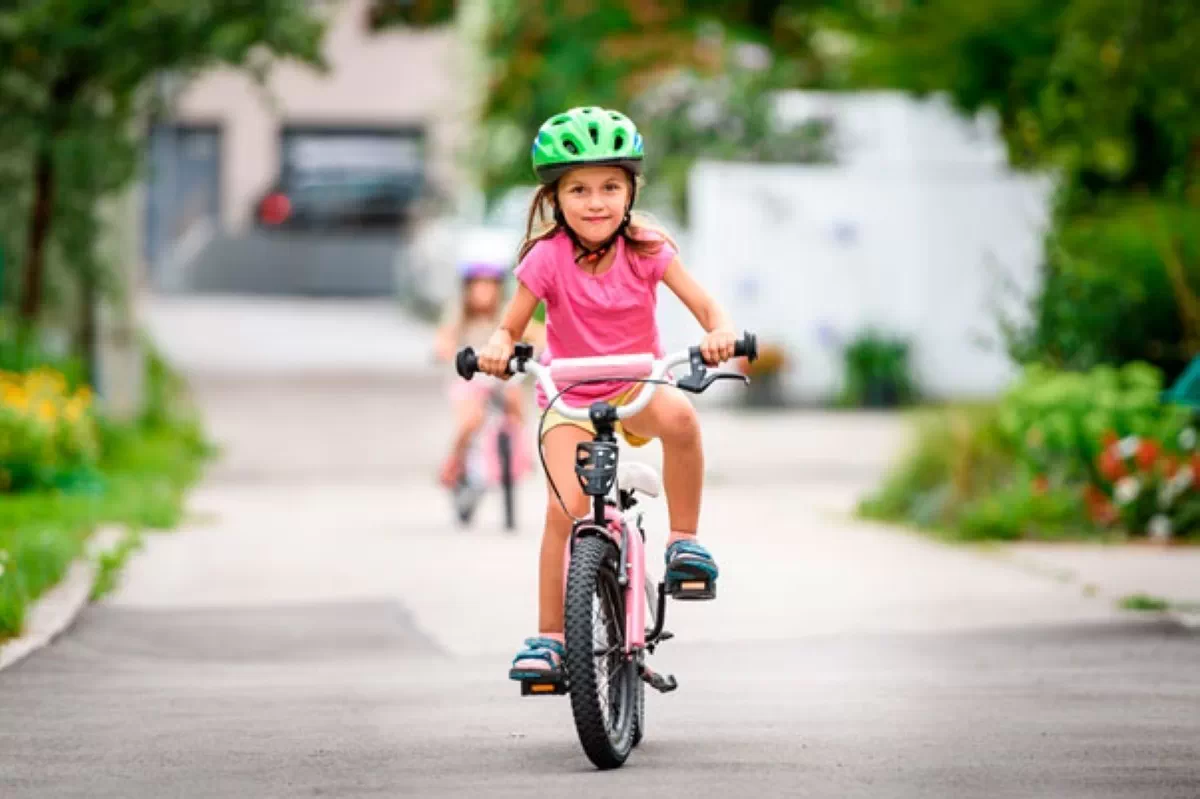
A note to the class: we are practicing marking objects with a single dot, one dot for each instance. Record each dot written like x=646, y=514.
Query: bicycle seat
x=634, y=476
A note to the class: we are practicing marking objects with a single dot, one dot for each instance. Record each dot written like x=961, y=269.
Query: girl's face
x=593, y=200
x=482, y=296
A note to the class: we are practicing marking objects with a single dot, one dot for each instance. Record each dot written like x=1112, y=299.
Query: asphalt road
x=297, y=702
x=319, y=628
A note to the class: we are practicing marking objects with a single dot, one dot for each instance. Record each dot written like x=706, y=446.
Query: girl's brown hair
x=545, y=221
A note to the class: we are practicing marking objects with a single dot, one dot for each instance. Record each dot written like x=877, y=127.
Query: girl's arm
x=719, y=342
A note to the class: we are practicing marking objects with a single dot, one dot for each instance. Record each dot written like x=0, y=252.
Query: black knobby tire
x=639, y=713
x=639, y=718
x=504, y=450
x=605, y=724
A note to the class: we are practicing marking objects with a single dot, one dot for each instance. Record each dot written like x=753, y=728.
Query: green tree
x=547, y=56
x=75, y=78
x=1106, y=91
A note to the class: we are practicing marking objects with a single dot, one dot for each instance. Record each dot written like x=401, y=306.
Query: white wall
x=917, y=230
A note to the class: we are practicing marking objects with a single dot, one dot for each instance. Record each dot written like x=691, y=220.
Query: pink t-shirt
x=612, y=313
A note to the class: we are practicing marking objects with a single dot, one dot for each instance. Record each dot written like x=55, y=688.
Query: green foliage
x=878, y=373
x=75, y=83
x=955, y=457
x=1144, y=602
x=1034, y=464
x=729, y=117
x=1118, y=286
x=47, y=433
x=1057, y=422
x=110, y=563
x=1103, y=90
x=383, y=14
x=140, y=480
x=546, y=57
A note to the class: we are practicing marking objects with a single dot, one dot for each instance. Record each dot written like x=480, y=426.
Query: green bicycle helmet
x=586, y=136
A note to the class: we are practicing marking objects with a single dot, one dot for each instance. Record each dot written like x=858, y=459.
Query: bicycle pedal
x=544, y=687
x=660, y=683
x=692, y=589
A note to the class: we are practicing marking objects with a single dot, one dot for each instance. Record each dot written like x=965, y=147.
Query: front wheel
x=505, y=453
x=604, y=681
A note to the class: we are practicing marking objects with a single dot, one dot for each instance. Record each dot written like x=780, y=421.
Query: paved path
x=319, y=628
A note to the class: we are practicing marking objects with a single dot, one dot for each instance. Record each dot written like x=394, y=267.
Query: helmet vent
x=570, y=147
x=594, y=132
x=561, y=120
x=618, y=141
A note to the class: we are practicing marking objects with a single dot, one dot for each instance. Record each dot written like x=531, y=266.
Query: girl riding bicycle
x=596, y=265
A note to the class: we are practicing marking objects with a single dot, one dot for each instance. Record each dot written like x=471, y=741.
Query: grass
x=141, y=484
x=1144, y=602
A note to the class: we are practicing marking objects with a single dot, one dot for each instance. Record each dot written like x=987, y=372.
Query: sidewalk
x=326, y=494
x=1116, y=572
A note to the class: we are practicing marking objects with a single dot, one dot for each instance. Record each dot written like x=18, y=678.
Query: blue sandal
x=691, y=571
x=546, y=654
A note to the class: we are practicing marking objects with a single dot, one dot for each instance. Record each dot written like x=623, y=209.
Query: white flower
x=1182, y=480
x=1127, y=490
x=1159, y=527
x=1187, y=438
x=704, y=113
x=1127, y=447
x=750, y=55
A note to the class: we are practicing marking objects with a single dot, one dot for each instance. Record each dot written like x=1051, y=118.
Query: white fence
x=919, y=230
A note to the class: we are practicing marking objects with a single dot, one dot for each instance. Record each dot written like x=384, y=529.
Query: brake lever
x=698, y=382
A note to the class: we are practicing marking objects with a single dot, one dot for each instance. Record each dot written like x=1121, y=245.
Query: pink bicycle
x=614, y=612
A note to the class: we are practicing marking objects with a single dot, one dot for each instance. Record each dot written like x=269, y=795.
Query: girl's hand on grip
x=496, y=354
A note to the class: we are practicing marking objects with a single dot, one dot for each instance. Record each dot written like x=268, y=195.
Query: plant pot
x=881, y=393
x=764, y=391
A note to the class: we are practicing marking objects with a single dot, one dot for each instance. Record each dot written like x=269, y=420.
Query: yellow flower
x=84, y=395
x=47, y=411
x=16, y=397
x=75, y=408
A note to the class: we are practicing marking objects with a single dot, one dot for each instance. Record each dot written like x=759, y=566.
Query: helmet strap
x=589, y=255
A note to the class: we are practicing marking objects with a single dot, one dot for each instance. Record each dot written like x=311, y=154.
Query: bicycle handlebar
x=467, y=364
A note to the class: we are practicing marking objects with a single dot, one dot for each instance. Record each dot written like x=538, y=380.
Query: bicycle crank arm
x=664, y=685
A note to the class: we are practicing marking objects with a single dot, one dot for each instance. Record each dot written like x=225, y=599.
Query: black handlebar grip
x=747, y=347
x=466, y=364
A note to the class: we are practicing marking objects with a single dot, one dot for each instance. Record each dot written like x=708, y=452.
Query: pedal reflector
x=693, y=585
x=542, y=688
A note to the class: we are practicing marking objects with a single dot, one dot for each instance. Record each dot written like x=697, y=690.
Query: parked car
x=340, y=200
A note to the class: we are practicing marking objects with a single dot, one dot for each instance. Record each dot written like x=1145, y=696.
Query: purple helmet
x=474, y=270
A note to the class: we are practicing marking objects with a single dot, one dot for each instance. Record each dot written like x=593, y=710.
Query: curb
x=1184, y=614
x=58, y=608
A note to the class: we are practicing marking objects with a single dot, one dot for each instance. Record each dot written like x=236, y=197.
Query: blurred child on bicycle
x=468, y=321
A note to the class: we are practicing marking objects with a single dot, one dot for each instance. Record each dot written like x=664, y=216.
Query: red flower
x=1110, y=466
x=1041, y=484
x=1147, y=454
x=1109, y=438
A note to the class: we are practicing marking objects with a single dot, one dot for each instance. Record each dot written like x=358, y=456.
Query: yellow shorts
x=555, y=419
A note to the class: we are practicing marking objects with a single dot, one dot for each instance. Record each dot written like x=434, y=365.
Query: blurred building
x=359, y=148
